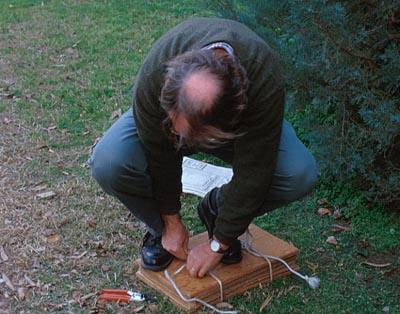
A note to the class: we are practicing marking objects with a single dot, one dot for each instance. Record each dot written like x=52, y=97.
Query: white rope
x=247, y=244
x=313, y=282
x=221, y=288
x=172, y=282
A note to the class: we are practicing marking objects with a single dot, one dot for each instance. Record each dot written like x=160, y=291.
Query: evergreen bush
x=342, y=64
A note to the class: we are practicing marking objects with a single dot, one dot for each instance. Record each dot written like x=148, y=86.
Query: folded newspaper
x=200, y=177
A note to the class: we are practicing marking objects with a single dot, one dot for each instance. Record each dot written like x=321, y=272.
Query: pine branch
x=347, y=50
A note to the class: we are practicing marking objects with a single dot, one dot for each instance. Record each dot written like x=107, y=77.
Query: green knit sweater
x=254, y=153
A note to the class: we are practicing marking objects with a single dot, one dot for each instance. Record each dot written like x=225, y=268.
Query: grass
x=66, y=66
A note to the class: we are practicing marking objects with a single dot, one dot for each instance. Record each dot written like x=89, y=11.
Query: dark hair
x=218, y=124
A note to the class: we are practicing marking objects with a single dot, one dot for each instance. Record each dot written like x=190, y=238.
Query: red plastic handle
x=115, y=297
x=114, y=291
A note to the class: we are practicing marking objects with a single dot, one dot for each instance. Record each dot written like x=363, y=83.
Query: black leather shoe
x=234, y=253
x=154, y=256
x=207, y=210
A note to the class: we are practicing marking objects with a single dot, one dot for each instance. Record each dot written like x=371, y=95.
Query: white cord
x=313, y=282
x=172, y=282
x=221, y=288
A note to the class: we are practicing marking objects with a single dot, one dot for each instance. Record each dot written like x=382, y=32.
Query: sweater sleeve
x=255, y=154
x=165, y=163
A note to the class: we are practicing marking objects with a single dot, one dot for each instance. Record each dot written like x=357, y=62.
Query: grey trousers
x=119, y=166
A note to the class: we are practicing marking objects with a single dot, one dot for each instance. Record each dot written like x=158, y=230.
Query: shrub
x=343, y=79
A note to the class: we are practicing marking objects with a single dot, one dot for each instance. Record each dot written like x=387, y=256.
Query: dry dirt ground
x=55, y=254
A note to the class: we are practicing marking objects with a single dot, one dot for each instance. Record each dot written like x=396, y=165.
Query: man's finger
x=202, y=272
x=193, y=272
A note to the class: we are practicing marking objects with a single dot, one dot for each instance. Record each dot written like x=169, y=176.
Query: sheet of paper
x=200, y=177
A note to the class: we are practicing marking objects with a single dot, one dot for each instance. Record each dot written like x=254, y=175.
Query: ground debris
x=29, y=281
x=115, y=114
x=3, y=255
x=266, y=302
x=376, y=265
x=224, y=305
x=8, y=282
x=331, y=240
x=323, y=201
x=339, y=228
x=46, y=195
x=323, y=211
x=21, y=291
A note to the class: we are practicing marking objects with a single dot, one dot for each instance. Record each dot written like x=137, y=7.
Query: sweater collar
x=221, y=45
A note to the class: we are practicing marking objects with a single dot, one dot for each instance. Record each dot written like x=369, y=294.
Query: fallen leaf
x=392, y=271
x=369, y=278
x=40, y=186
x=140, y=308
x=312, y=266
x=266, y=302
x=76, y=295
x=116, y=114
x=337, y=214
x=8, y=282
x=332, y=240
x=36, y=264
x=41, y=145
x=339, y=228
x=46, y=195
x=88, y=296
x=79, y=256
x=29, y=281
x=52, y=238
x=152, y=307
x=52, y=127
x=376, y=265
x=323, y=211
x=3, y=255
x=21, y=293
x=322, y=201
x=221, y=305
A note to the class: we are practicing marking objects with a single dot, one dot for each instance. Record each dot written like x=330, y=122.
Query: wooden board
x=236, y=279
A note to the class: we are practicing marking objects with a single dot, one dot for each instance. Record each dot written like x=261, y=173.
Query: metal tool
x=123, y=296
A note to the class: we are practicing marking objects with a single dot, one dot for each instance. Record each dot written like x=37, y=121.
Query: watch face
x=214, y=246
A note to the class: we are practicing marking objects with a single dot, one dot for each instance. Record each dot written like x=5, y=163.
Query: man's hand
x=201, y=259
x=175, y=237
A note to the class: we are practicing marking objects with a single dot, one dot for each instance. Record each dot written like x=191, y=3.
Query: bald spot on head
x=201, y=89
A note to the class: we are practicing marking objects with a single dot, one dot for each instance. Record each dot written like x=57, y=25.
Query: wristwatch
x=215, y=246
